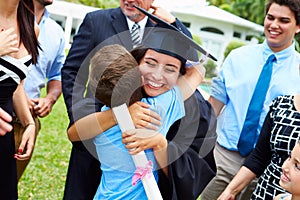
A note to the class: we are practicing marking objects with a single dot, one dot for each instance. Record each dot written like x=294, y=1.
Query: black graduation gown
x=190, y=152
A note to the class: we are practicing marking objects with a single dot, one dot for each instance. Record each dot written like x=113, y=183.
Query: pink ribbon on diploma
x=141, y=172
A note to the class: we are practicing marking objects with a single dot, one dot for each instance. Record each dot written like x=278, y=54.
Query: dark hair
x=139, y=52
x=293, y=5
x=115, y=77
x=26, y=23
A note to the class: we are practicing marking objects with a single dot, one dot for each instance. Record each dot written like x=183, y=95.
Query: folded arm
x=22, y=111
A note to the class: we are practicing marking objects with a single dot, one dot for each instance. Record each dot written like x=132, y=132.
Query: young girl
x=290, y=178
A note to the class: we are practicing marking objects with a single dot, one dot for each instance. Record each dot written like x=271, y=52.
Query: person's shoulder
x=54, y=25
x=246, y=52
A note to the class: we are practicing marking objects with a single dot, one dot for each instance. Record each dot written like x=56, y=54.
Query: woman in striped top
x=18, y=49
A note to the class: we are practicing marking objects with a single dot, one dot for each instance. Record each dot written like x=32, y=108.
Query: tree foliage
x=233, y=45
x=210, y=66
x=98, y=3
x=252, y=10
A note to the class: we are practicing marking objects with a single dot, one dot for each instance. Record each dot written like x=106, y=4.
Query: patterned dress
x=12, y=71
x=280, y=133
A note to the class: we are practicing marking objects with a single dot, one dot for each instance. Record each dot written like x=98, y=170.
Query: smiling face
x=280, y=27
x=131, y=12
x=160, y=72
x=290, y=178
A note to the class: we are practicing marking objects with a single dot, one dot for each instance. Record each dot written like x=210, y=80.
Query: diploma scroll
x=140, y=160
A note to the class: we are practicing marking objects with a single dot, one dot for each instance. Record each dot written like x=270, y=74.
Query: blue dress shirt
x=237, y=79
x=51, y=58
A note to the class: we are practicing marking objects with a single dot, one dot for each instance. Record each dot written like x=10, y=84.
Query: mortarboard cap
x=166, y=38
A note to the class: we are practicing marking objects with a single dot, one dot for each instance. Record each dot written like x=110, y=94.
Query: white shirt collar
x=142, y=23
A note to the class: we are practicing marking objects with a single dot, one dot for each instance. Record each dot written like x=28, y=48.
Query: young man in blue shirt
x=233, y=88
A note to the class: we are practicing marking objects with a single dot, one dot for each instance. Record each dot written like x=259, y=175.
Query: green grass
x=44, y=177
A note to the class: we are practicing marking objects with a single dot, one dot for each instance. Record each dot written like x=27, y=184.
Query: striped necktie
x=135, y=35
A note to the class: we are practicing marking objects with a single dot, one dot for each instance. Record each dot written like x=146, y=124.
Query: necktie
x=135, y=35
x=248, y=134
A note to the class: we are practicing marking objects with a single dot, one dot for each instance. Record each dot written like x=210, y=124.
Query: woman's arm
x=237, y=184
x=93, y=124
x=255, y=164
x=189, y=82
x=22, y=111
x=21, y=108
x=216, y=104
x=261, y=155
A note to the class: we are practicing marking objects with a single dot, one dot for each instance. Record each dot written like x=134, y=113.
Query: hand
x=197, y=70
x=138, y=140
x=27, y=144
x=201, y=70
x=8, y=41
x=226, y=195
x=43, y=106
x=143, y=117
x=163, y=14
x=31, y=105
x=5, y=126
